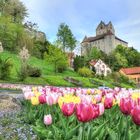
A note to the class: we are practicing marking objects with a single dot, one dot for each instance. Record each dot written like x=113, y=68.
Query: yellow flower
x=135, y=96
x=34, y=101
x=88, y=91
x=93, y=100
x=114, y=102
x=103, y=99
x=60, y=101
x=68, y=99
x=37, y=94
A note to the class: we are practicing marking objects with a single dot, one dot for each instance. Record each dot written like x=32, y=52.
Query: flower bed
x=84, y=114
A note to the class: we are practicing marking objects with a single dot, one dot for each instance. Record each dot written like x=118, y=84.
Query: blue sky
x=83, y=16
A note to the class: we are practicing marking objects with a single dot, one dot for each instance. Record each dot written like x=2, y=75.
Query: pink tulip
x=136, y=115
x=48, y=119
x=42, y=99
x=101, y=109
x=98, y=97
x=96, y=111
x=84, y=112
x=108, y=102
x=52, y=99
x=68, y=109
x=86, y=99
x=28, y=95
x=126, y=105
x=138, y=101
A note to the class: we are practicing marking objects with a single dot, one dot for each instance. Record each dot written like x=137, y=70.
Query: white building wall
x=118, y=42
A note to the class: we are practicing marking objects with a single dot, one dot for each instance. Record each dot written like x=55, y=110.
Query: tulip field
x=57, y=113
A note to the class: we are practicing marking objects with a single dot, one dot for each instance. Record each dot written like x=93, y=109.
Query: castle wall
x=119, y=42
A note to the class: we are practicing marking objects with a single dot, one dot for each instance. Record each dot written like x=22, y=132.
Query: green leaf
x=72, y=132
x=97, y=131
x=112, y=134
x=136, y=135
x=80, y=133
x=89, y=133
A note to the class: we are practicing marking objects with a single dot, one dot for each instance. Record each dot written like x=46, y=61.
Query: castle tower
x=103, y=28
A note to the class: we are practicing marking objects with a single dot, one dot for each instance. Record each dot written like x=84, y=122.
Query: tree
x=95, y=53
x=16, y=9
x=79, y=62
x=57, y=57
x=66, y=37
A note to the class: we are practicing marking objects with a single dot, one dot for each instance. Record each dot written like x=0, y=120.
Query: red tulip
x=126, y=105
x=108, y=102
x=42, y=99
x=96, y=111
x=68, y=109
x=136, y=115
x=84, y=112
x=138, y=101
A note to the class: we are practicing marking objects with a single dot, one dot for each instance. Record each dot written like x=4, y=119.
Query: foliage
x=23, y=72
x=49, y=76
x=5, y=68
x=95, y=53
x=85, y=72
x=33, y=71
x=123, y=57
x=13, y=36
x=57, y=57
x=40, y=48
x=66, y=38
x=79, y=62
x=13, y=8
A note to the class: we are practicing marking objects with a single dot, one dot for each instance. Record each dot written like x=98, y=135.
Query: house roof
x=98, y=37
x=93, y=62
x=130, y=71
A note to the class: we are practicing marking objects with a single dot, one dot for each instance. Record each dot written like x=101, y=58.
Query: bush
x=79, y=62
x=85, y=72
x=5, y=68
x=33, y=71
x=61, y=66
x=23, y=73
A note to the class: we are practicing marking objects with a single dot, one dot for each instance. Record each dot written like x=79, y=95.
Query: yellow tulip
x=34, y=101
x=88, y=91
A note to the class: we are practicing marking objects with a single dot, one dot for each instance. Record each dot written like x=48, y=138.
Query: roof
x=92, y=39
x=93, y=62
x=120, y=39
x=131, y=71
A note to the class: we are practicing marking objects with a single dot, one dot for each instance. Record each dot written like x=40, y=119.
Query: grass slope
x=48, y=75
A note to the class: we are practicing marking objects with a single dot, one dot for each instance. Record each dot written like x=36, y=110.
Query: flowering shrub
x=84, y=114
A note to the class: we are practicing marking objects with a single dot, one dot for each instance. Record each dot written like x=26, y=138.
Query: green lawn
x=49, y=77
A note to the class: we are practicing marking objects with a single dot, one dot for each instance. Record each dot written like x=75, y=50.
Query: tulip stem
x=127, y=128
x=83, y=134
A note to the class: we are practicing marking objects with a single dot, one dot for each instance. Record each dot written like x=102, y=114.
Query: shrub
x=79, y=62
x=85, y=72
x=5, y=68
x=33, y=71
x=23, y=73
x=61, y=66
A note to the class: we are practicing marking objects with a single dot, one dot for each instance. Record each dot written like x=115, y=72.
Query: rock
x=8, y=105
x=4, y=96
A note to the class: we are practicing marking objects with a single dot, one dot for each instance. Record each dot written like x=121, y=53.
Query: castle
x=105, y=39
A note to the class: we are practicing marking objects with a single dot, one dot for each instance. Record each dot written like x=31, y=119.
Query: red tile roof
x=130, y=71
x=93, y=62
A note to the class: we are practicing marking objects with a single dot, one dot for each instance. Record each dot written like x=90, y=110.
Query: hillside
x=49, y=77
